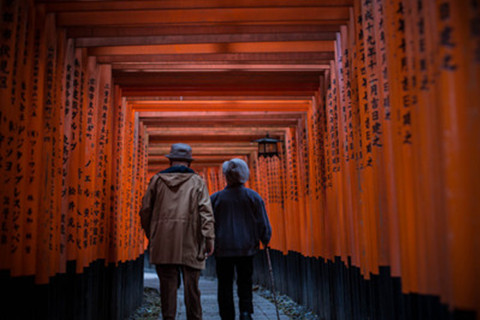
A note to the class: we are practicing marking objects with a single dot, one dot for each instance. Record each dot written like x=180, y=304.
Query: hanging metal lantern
x=267, y=147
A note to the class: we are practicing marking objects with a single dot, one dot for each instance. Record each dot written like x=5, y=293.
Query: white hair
x=236, y=171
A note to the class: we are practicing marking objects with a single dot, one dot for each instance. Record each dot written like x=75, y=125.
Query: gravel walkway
x=263, y=303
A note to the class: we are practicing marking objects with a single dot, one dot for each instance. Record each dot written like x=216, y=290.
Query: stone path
x=264, y=309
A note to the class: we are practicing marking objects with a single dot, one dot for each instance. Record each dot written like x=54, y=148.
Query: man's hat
x=180, y=151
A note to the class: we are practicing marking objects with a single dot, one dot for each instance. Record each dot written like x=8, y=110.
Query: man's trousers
x=225, y=274
x=169, y=282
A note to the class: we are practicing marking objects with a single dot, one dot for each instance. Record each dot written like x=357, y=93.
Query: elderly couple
x=183, y=230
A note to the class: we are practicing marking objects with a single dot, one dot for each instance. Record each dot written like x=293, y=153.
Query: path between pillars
x=264, y=309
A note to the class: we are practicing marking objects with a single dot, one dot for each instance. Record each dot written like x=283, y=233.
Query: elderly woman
x=241, y=222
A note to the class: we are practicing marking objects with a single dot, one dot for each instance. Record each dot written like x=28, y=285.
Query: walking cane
x=267, y=250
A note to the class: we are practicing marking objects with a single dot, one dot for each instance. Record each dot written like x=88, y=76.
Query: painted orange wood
x=379, y=164
x=458, y=74
x=207, y=16
x=17, y=183
x=344, y=183
x=190, y=4
x=215, y=48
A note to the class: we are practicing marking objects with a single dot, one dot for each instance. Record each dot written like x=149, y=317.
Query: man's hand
x=209, y=247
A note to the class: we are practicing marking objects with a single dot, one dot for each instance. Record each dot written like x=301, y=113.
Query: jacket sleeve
x=207, y=220
x=263, y=224
x=147, y=206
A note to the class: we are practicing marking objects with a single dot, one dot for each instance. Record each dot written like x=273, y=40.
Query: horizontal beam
x=236, y=104
x=217, y=115
x=287, y=93
x=304, y=98
x=211, y=146
x=197, y=167
x=153, y=150
x=203, y=38
x=220, y=63
x=231, y=106
x=270, y=57
x=189, y=30
x=221, y=123
x=215, y=48
x=209, y=157
x=270, y=125
x=202, y=131
x=282, y=15
x=169, y=116
x=220, y=80
x=217, y=139
x=195, y=67
x=152, y=89
x=65, y=6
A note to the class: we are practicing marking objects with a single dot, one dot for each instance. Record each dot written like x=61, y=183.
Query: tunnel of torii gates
x=373, y=199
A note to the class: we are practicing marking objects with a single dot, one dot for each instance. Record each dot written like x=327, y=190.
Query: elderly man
x=177, y=218
x=241, y=222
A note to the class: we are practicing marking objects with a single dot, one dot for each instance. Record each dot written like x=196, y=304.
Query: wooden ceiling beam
x=220, y=126
x=287, y=91
x=230, y=106
x=267, y=117
x=220, y=80
x=218, y=139
x=224, y=134
x=208, y=145
x=163, y=164
x=205, y=150
x=213, y=156
x=278, y=15
x=217, y=127
x=189, y=30
x=285, y=63
x=221, y=123
x=244, y=56
x=214, y=161
x=215, y=48
x=200, y=123
x=203, y=38
x=234, y=96
x=65, y=6
x=217, y=67
x=199, y=156
x=261, y=90
x=220, y=157
x=205, y=132
x=214, y=116
x=238, y=102
x=154, y=93
x=272, y=98
x=197, y=167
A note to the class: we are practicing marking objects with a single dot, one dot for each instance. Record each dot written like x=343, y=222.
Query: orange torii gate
x=374, y=192
x=67, y=159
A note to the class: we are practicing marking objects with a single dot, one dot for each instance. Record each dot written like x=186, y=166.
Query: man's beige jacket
x=177, y=218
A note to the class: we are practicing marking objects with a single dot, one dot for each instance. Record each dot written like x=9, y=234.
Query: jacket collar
x=234, y=186
x=178, y=169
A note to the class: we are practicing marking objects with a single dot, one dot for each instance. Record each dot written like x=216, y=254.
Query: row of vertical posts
x=214, y=178
x=402, y=126
x=383, y=171
x=72, y=156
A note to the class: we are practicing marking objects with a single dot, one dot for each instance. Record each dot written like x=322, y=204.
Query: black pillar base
x=335, y=291
x=99, y=293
